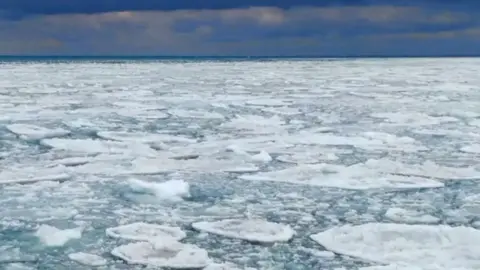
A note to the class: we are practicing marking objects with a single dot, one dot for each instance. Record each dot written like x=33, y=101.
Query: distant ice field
x=354, y=164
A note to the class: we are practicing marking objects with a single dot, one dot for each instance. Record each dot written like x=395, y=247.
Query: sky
x=240, y=27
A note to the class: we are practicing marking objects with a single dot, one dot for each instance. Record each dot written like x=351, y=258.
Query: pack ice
x=252, y=230
x=422, y=245
x=33, y=132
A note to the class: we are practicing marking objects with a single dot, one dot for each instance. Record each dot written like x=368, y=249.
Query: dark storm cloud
x=15, y=8
x=233, y=27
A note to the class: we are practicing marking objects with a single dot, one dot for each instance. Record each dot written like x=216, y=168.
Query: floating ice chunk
x=195, y=114
x=255, y=124
x=241, y=169
x=33, y=175
x=352, y=177
x=475, y=123
x=263, y=156
x=283, y=111
x=87, y=259
x=140, y=231
x=268, y=102
x=51, y=236
x=410, y=216
x=404, y=267
x=252, y=230
x=307, y=158
x=425, y=245
x=222, y=266
x=163, y=253
x=73, y=161
x=169, y=190
x=142, y=137
x=98, y=147
x=474, y=149
x=413, y=119
x=18, y=266
x=32, y=132
x=427, y=169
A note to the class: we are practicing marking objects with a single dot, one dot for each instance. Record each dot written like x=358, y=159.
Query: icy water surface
x=348, y=164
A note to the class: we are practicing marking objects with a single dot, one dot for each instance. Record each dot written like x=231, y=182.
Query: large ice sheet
x=253, y=230
x=53, y=237
x=90, y=146
x=87, y=259
x=163, y=253
x=421, y=245
x=140, y=231
x=33, y=132
x=346, y=177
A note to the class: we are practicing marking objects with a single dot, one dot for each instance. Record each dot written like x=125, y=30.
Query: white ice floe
x=474, y=149
x=145, y=166
x=283, y=111
x=173, y=190
x=90, y=146
x=256, y=124
x=253, y=230
x=307, y=158
x=87, y=259
x=140, y=231
x=263, y=156
x=475, y=123
x=413, y=118
x=427, y=169
x=393, y=142
x=422, y=245
x=33, y=132
x=143, y=137
x=271, y=102
x=163, y=253
x=195, y=114
x=346, y=177
x=28, y=175
x=410, y=216
x=51, y=236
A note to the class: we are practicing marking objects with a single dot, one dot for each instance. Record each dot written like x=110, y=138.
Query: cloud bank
x=266, y=27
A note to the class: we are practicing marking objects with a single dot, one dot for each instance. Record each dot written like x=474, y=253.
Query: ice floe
x=173, y=190
x=195, y=114
x=143, y=137
x=140, y=231
x=255, y=124
x=355, y=177
x=32, y=175
x=90, y=146
x=413, y=118
x=253, y=230
x=87, y=259
x=33, y=132
x=53, y=237
x=423, y=245
x=410, y=216
x=163, y=253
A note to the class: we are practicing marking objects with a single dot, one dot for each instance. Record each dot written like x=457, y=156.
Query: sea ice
x=140, y=231
x=28, y=175
x=87, y=259
x=32, y=132
x=143, y=137
x=51, y=236
x=253, y=230
x=163, y=253
x=90, y=146
x=413, y=118
x=255, y=124
x=195, y=114
x=410, y=216
x=170, y=190
x=421, y=245
x=346, y=177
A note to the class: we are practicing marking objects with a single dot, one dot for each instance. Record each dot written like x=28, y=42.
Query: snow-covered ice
x=87, y=259
x=51, y=236
x=140, y=231
x=444, y=246
x=250, y=230
x=123, y=156
x=163, y=253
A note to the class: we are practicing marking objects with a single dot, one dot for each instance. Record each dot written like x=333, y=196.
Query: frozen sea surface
x=285, y=164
